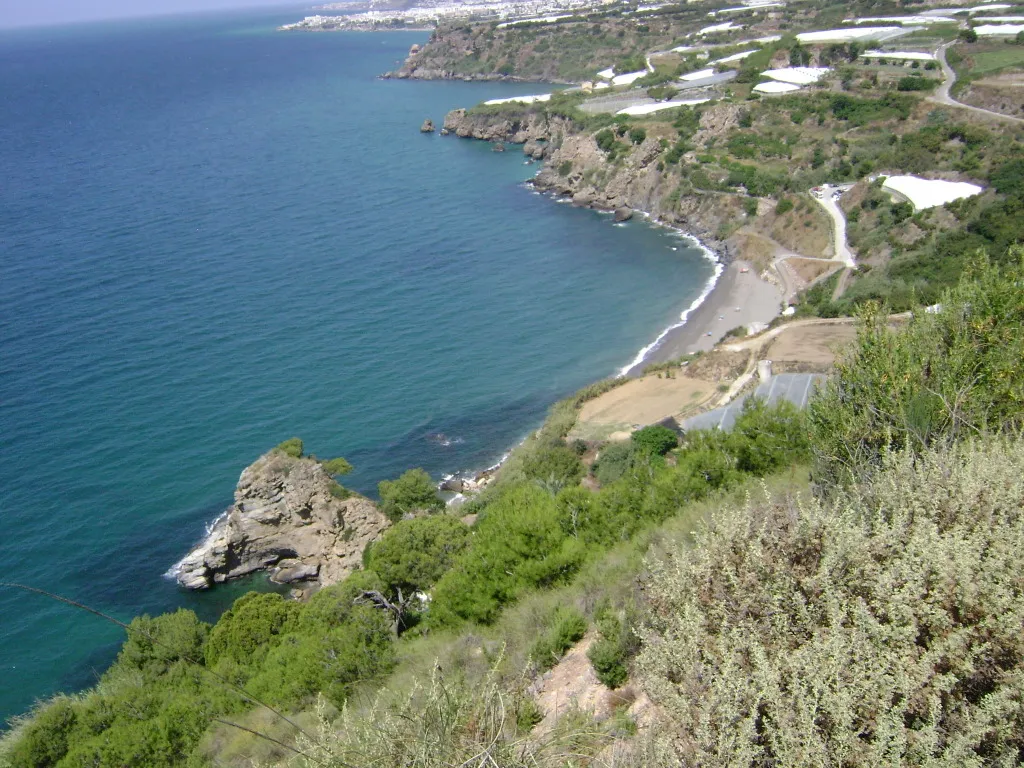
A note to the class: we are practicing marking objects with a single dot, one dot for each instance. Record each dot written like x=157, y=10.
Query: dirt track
x=941, y=95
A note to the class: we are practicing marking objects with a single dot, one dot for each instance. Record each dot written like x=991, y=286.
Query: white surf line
x=685, y=316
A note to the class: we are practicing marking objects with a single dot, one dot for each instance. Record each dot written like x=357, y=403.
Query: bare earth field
x=809, y=347
x=810, y=270
x=639, y=402
x=1000, y=93
x=805, y=346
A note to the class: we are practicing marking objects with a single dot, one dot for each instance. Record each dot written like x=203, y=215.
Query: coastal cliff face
x=577, y=168
x=285, y=519
x=509, y=128
x=449, y=55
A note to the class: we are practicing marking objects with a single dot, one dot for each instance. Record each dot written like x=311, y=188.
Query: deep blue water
x=214, y=237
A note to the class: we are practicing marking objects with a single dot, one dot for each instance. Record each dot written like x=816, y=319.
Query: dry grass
x=640, y=401
x=881, y=629
x=813, y=345
x=810, y=270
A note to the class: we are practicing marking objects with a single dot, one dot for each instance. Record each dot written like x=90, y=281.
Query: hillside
x=735, y=164
x=542, y=560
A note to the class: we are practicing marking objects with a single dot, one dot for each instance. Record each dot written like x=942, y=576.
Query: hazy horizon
x=42, y=13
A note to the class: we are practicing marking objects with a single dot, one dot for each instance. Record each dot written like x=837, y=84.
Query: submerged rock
x=286, y=514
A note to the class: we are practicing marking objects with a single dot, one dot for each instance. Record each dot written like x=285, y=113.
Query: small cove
x=214, y=237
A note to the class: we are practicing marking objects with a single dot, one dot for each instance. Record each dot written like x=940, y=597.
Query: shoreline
x=734, y=295
x=739, y=297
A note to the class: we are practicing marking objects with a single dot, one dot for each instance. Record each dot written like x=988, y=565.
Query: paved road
x=839, y=244
x=941, y=95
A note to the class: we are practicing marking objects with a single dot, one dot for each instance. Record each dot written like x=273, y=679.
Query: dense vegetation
x=175, y=674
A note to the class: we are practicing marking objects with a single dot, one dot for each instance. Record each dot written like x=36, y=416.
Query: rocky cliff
x=509, y=127
x=445, y=57
x=288, y=518
x=576, y=167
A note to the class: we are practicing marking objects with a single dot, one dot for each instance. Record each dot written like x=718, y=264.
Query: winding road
x=941, y=95
x=839, y=245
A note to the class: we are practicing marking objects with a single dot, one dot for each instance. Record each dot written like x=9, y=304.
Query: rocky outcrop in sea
x=289, y=518
x=531, y=127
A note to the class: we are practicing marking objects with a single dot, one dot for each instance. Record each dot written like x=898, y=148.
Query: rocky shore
x=426, y=73
x=287, y=518
x=575, y=167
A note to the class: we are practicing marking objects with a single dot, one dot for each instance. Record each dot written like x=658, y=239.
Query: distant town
x=430, y=13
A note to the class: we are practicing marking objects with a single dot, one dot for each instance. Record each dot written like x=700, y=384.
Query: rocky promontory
x=289, y=517
x=532, y=127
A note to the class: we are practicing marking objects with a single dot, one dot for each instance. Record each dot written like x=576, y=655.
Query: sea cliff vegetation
x=837, y=586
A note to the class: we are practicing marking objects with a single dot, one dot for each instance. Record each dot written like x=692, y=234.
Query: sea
x=215, y=236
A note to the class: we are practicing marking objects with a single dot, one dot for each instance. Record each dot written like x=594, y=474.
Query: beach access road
x=827, y=196
x=942, y=93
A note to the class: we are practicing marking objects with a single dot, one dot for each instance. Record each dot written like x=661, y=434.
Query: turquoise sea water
x=214, y=237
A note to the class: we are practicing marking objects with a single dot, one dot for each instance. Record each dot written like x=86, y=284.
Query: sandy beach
x=739, y=298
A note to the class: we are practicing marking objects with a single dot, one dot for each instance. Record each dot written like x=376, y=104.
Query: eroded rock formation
x=287, y=518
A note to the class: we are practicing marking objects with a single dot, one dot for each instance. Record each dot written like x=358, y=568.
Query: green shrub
x=765, y=439
x=655, y=440
x=329, y=662
x=555, y=467
x=291, y=447
x=414, y=491
x=900, y=212
x=662, y=92
x=518, y=545
x=613, y=462
x=861, y=111
x=155, y=644
x=637, y=135
x=611, y=654
x=608, y=662
x=916, y=83
x=413, y=554
x=605, y=139
x=565, y=168
x=565, y=628
x=1008, y=178
x=338, y=491
x=338, y=466
x=946, y=375
x=44, y=741
x=247, y=631
x=785, y=205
